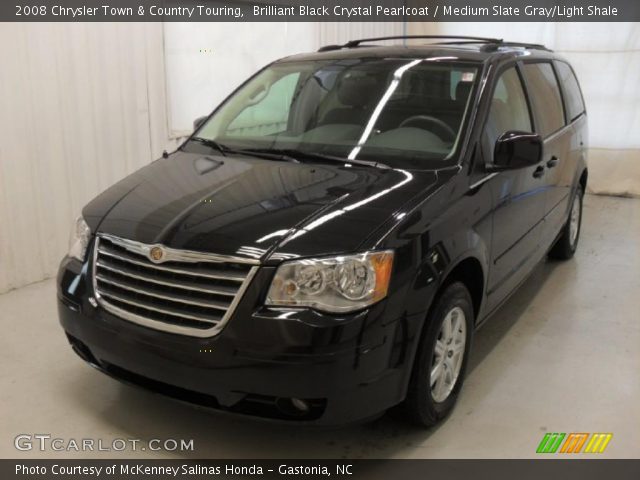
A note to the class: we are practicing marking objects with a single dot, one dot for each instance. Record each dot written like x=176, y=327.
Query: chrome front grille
x=185, y=292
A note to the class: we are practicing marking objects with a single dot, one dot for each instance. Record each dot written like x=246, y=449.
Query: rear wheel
x=567, y=243
x=441, y=360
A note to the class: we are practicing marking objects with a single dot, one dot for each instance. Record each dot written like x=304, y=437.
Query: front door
x=518, y=195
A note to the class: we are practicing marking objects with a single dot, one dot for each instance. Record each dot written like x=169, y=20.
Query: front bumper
x=345, y=369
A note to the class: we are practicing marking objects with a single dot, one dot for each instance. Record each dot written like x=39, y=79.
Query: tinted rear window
x=546, y=98
x=573, y=96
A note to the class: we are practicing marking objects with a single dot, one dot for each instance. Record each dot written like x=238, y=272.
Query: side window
x=269, y=110
x=508, y=110
x=573, y=96
x=545, y=97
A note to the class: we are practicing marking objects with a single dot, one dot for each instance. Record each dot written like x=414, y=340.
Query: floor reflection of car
x=324, y=245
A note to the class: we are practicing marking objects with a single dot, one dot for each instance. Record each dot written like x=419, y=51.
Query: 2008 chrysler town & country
x=324, y=245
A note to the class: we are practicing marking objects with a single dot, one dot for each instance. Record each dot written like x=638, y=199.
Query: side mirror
x=199, y=121
x=515, y=150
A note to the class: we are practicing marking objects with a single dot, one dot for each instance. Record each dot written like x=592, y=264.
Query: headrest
x=462, y=90
x=358, y=90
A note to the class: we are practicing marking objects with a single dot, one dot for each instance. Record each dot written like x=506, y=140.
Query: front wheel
x=441, y=360
x=567, y=243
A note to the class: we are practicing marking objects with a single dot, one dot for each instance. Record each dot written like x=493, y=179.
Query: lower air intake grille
x=178, y=291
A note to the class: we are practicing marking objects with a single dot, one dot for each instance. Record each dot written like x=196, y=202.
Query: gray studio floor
x=563, y=355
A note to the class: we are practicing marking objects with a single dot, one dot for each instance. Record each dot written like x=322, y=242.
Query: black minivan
x=324, y=245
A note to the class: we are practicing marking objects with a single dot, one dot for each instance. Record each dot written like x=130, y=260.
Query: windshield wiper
x=223, y=149
x=267, y=153
x=304, y=155
x=286, y=154
x=252, y=152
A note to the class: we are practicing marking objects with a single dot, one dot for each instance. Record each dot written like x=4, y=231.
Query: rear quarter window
x=573, y=96
x=545, y=96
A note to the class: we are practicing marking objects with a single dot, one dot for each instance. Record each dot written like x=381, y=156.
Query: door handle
x=553, y=161
x=538, y=172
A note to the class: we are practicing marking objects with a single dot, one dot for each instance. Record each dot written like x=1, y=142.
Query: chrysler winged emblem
x=156, y=254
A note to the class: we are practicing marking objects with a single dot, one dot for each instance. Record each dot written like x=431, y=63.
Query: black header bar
x=320, y=11
x=316, y=469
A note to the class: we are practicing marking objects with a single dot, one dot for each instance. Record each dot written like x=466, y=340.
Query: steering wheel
x=449, y=134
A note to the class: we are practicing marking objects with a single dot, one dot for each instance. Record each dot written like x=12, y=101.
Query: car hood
x=253, y=208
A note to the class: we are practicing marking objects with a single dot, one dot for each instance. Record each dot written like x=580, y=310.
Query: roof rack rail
x=328, y=48
x=491, y=43
x=356, y=43
x=537, y=46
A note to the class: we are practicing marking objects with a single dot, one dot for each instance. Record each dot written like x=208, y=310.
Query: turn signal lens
x=382, y=265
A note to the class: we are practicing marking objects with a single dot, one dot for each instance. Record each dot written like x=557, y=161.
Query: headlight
x=79, y=239
x=335, y=284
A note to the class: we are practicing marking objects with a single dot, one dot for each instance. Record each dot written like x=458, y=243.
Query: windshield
x=402, y=112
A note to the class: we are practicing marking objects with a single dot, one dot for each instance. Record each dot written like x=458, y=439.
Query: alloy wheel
x=448, y=354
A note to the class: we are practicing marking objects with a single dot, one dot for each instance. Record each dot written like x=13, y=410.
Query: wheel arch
x=470, y=272
x=583, y=179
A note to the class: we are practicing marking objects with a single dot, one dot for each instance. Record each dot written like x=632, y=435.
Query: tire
x=566, y=245
x=425, y=404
